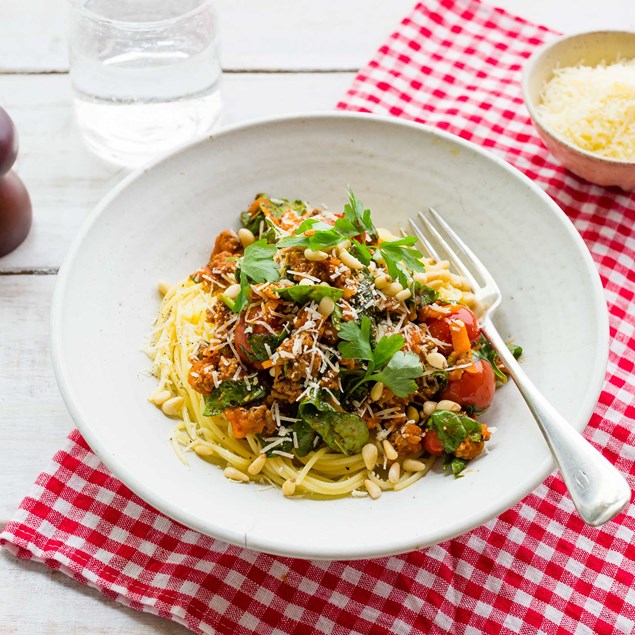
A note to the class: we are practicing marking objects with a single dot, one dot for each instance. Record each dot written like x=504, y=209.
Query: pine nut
x=392, y=289
x=412, y=465
x=288, y=487
x=389, y=450
x=159, y=398
x=349, y=260
x=172, y=406
x=307, y=282
x=326, y=306
x=257, y=464
x=369, y=454
x=420, y=276
x=429, y=407
x=345, y=244
x=394, y=473
x=436, y=360
x=374, y=491
x=324, y=284
x=402, y=296
x=232, y=291
x=235, y=475
x=447, y=404
x=381, y=281
x=376, y=391
x=412, y=413
x=246, y=236
x=163, y=287
x=372, y=265
x=315, y=256
x=203, y=450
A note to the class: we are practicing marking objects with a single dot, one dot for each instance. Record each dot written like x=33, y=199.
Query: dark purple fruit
x=15, y=212
x=8, y=142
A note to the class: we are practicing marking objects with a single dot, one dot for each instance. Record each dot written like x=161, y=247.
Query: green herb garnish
x=485, y=351
x=302, y=293
x=231, y=394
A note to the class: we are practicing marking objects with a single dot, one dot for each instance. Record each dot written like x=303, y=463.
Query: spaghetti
x=319, y=354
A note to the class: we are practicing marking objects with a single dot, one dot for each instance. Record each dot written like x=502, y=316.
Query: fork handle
x=598, y=490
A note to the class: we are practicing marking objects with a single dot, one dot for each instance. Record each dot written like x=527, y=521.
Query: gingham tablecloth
x=537, y=568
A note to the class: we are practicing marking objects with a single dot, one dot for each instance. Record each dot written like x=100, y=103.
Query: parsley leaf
x=400, y=373
x=258, y=263
x=386, y=348
x=356, y=344
x=401, y=257
x=355, y=213
x=302, y=293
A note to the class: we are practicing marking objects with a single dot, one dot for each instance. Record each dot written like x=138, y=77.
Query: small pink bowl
x=591, y=49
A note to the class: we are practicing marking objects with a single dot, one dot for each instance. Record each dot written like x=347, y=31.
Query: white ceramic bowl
x=160, y=222
x=591, y=48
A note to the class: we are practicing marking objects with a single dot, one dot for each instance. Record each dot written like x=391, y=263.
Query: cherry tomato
x=473, y=388
x=432, y=444
x=439, y=328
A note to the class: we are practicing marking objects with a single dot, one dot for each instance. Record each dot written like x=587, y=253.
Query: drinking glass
x=145, y=73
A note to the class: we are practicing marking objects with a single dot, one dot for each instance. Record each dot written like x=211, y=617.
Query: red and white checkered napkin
x=536, y=569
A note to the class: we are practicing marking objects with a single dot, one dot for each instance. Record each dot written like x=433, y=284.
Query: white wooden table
x=309, y=68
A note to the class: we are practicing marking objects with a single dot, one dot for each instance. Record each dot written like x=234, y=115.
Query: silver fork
x=598, y=490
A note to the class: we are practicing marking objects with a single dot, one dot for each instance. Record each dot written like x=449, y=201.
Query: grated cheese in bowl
x=593, y=107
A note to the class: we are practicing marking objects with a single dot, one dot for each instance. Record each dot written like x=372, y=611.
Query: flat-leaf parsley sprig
x=400, y=369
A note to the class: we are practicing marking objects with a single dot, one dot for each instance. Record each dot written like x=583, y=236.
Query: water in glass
x=145, y=75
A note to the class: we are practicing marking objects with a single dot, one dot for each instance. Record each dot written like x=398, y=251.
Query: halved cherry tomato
x=432, y=444
x=439, y=328
x=475, y=387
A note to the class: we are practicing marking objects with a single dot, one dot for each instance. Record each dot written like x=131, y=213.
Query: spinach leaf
x=400, y=373
x=258, y=342
x=485, y=351
x=341, y=431
x=455, y=464
x=305, y=436
x=231, y=394
x=302, y=293
x=424, y=295
x=453, y=429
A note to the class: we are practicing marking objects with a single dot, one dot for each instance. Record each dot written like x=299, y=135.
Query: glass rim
x=133, y=25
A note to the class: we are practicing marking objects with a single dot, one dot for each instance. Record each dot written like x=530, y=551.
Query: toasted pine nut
x=447, y=404
x=394, y=473
x=232, y=291
x=402, y=296
x=372, y=265
x=246, y=236
x=203, y=450
x=324, y=284
x=374, y=491
x=235, y=475
x=436, y=360
x=257, y=464
x=412, y=465
x=349, y=260
x=389, y=450
x=163, y=287
x=326, y=306
x=393, y=289
x=381, y=281
x=172, y=406
x=376, y=391
x=369, y=454
x=307, y=282
x=345, y=244
x=412, y=413
x=315, y=256
x=429, y=407
x=159, y=398
x=288, y=487
x=420, y=276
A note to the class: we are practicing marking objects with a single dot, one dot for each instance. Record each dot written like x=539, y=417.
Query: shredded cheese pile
x=593, y=107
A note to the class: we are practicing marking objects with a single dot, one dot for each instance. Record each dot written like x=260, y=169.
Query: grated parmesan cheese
x=593, y=107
